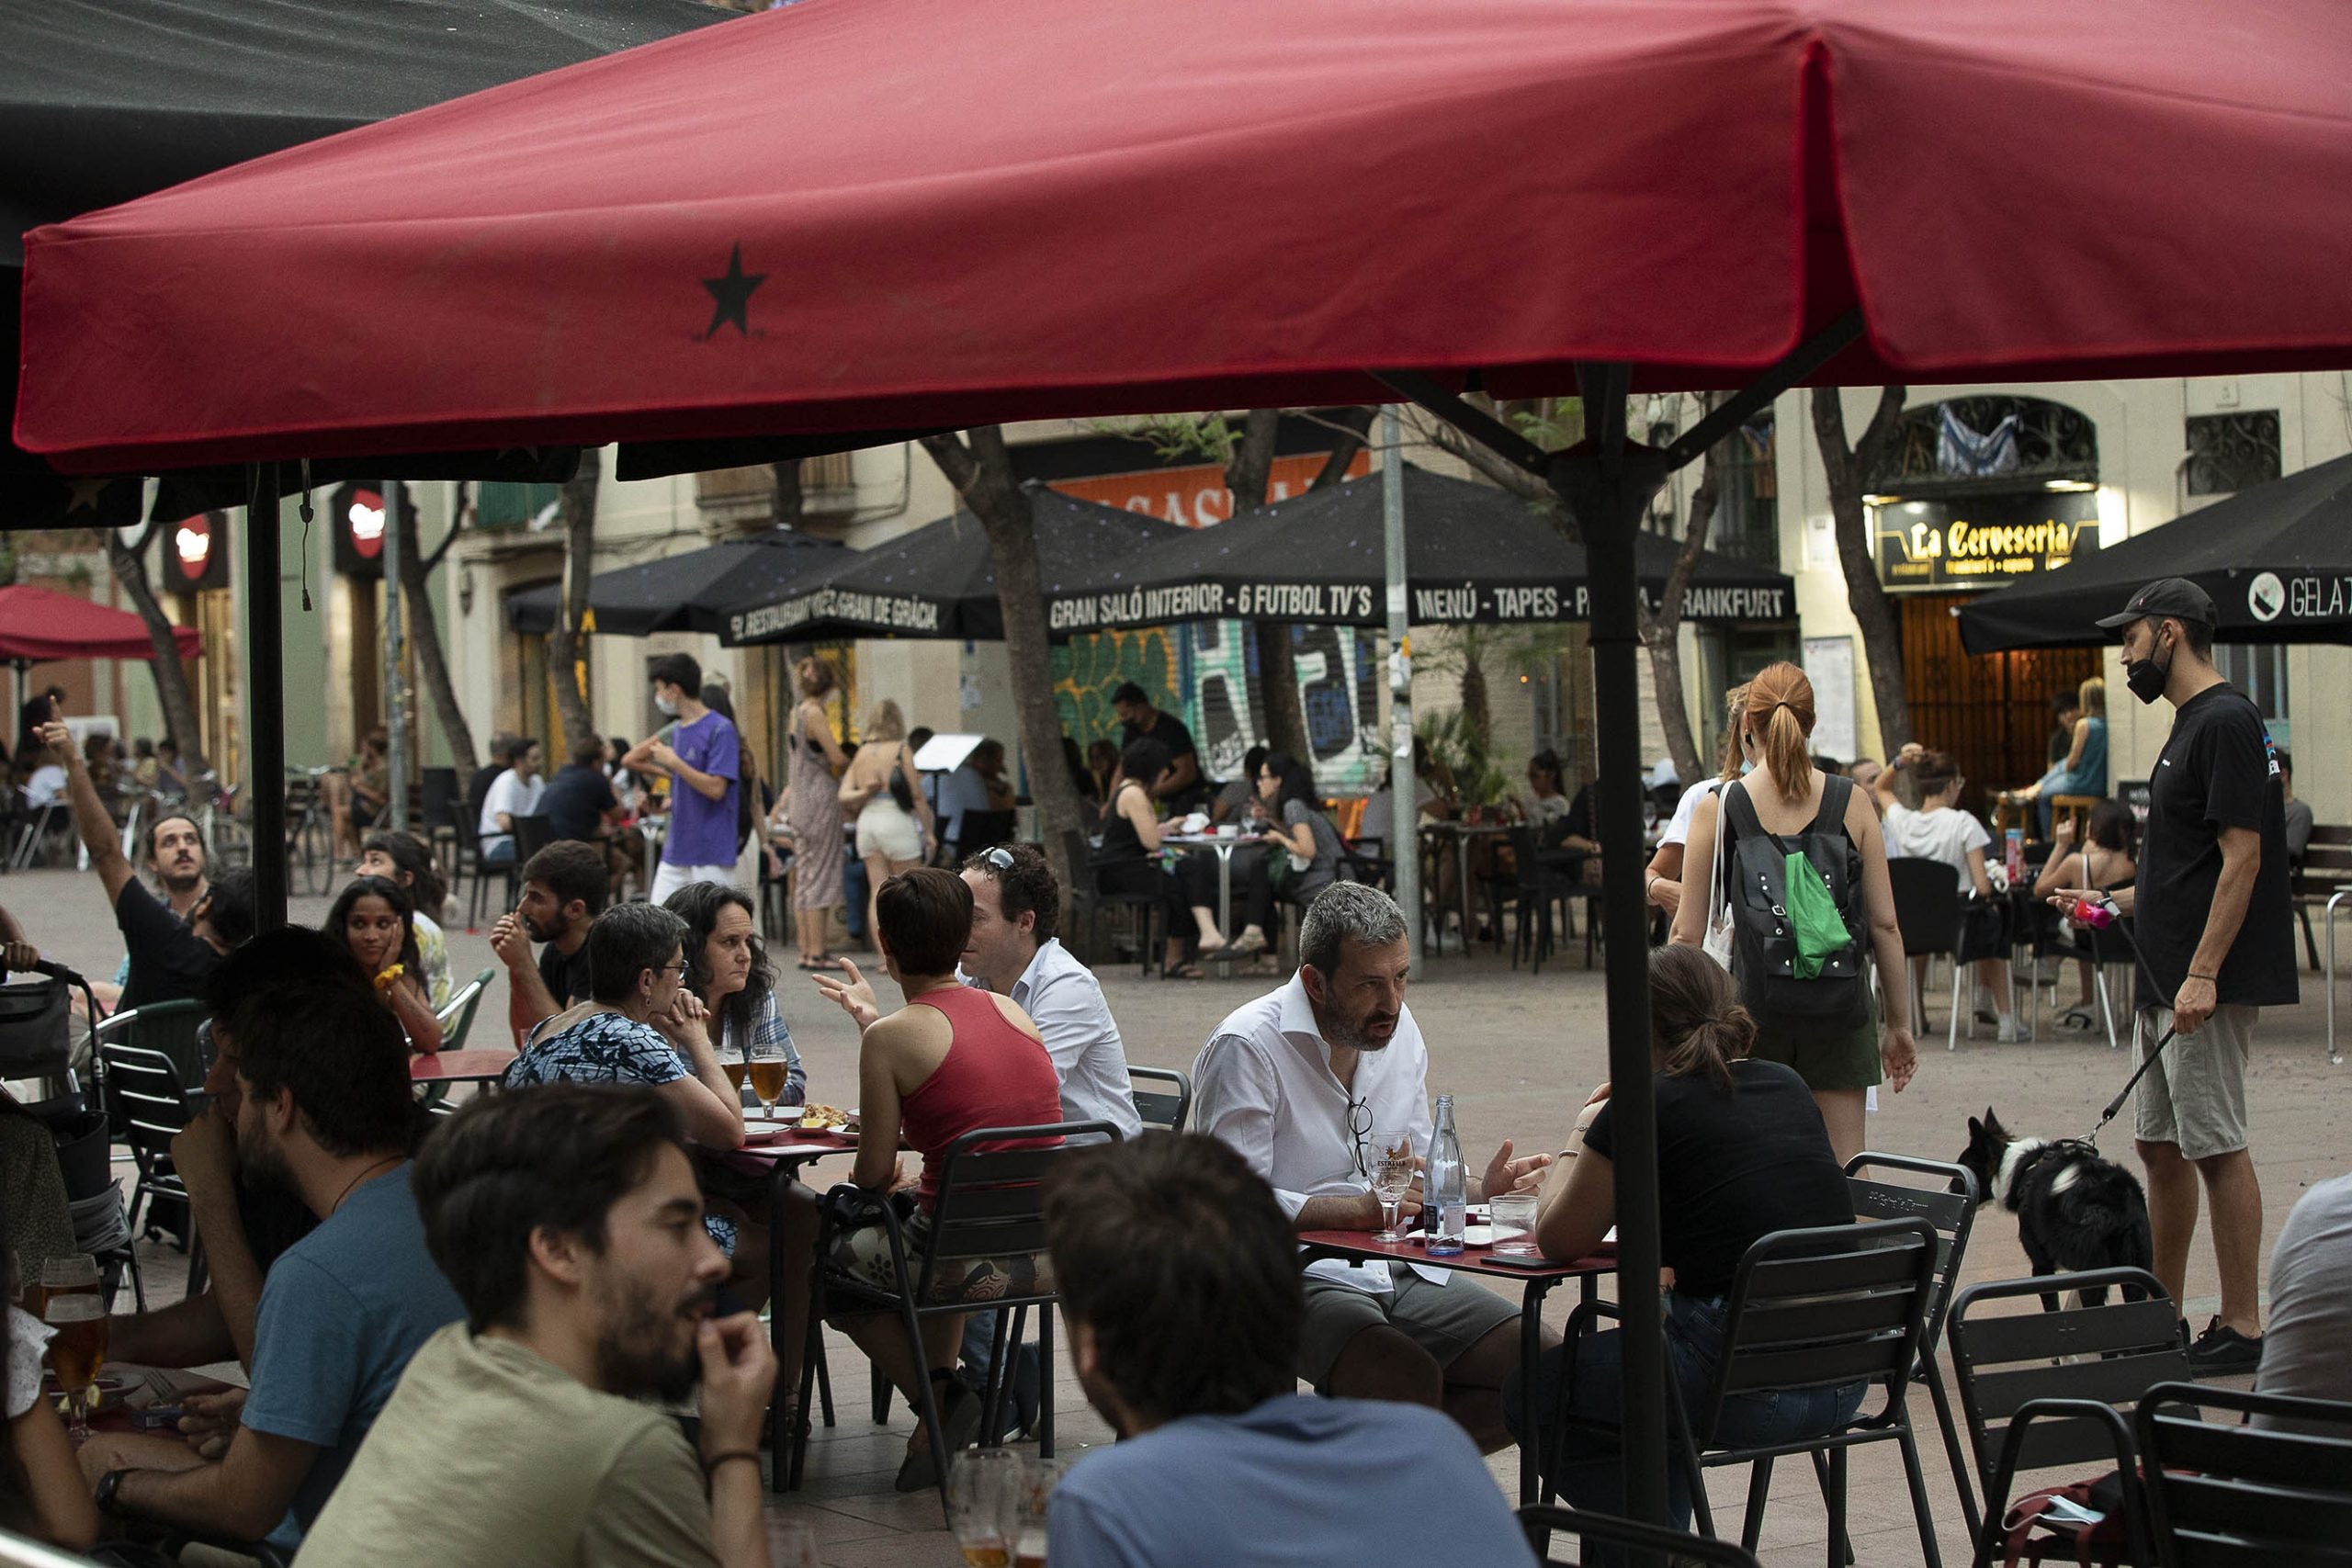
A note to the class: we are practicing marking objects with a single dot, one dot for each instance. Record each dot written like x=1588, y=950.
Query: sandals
x=1184, y=972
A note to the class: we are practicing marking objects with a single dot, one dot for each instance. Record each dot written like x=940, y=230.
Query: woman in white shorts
x=894, y=820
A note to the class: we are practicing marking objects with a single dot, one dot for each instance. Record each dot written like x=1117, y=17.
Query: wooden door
x=1991, y=711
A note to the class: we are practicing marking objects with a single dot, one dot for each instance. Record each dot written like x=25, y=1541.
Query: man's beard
x=261, y=1164
x=632, y=1357
x=1352, y=1034
x=175, y=884
x=540, y=933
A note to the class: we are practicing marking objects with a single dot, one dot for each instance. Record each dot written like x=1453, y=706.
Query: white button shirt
x=1264, y=1084
x=1064, y=1000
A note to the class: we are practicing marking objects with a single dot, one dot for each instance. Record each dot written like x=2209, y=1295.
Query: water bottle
x=2013, y=856
x=1448, y=1186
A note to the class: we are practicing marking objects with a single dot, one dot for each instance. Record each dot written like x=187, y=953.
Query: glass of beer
x=1027, y=1516
x=74, y=1305
x=769, y=1072
x=983, y=1493
x=736, y=1071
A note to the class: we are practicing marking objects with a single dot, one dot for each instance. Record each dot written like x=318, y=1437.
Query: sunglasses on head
x=999, y=857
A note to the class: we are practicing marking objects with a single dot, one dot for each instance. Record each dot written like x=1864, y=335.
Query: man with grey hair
x=1303, y=1083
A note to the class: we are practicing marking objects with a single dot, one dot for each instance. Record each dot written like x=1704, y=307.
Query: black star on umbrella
x=733, y=295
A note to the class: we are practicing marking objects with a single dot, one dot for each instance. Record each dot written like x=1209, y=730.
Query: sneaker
x=2011, y=1032
x=2221, y=1351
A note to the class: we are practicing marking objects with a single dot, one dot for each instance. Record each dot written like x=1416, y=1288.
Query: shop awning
x=939, y=581
x=38, y=625
x=2277, y=559
x=687, y=591
x=1474, y=553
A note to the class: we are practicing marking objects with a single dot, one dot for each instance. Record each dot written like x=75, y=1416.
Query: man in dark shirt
x=1182, y=787
x=563, y=892
x=169, y=957
x=579, y=802
x=2216, y=940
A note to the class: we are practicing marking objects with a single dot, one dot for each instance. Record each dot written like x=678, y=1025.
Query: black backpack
x=1764, y=947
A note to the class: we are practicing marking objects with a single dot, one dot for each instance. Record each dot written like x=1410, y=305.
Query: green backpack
x=1796, y=916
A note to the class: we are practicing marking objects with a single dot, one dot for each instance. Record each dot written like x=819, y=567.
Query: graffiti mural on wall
x=1087, y=670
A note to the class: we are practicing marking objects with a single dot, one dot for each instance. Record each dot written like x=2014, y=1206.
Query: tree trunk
x=1358, y=422
x=424, y=633
x=981, y=471
x=790, y=496
x=180, y=718
x=1849, y=468
x=1247, y=476
x=1661, y=631
x=568, y=645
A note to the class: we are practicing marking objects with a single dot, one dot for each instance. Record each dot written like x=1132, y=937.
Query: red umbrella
x=37, y=626
x=857, y=214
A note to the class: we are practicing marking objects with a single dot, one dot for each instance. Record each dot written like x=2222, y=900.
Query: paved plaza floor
x=1518, y=1053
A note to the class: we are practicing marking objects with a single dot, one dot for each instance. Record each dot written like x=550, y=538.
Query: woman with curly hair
x=729, y=973
x=373, y=920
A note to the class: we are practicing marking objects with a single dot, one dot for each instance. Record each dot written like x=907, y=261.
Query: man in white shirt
x=514, y=793
x=1299, y=1083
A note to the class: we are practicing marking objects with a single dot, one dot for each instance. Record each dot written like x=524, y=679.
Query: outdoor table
x=487, y=1064
x=1462, y=833
x=1536, y=1282
x=1224, y=844
x=144, y=1388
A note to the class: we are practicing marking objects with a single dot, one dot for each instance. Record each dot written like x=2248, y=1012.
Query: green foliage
x=1459, y=744
x=1205, y=436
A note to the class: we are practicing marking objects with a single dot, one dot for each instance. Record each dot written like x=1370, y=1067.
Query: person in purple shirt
x=701, y=757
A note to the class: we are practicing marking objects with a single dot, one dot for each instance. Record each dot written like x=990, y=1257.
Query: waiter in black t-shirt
x=2214, y=925
x=1181, y=788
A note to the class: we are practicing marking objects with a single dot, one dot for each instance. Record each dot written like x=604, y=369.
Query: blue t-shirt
x=1296, y=1468
x=702, y=831
x=342, y=1311
x=576, y=801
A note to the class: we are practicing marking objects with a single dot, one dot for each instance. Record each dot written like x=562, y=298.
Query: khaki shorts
x=863, y=1256
x=1445, y=1320
x=2195, y=1095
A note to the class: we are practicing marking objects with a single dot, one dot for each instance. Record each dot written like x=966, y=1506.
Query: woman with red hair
x=1783, y=795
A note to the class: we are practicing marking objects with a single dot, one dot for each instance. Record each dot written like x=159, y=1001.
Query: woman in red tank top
x=953, y=1060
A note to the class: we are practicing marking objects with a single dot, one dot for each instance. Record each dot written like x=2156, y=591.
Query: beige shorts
x=863, y=1256
x=2195, y=1095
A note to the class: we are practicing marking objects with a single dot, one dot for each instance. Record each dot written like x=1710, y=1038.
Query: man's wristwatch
x=109, y=1484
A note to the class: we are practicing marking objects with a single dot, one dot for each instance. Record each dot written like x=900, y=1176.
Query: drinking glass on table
x=74, y=1305
x=737, y=1071
x=983, y=1492
x=770, y=1071
x=1026, y=1525
x=1392, y=1177
x=1514, y=1216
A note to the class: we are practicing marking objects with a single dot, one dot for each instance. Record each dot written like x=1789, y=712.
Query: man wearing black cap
x=2215, y=934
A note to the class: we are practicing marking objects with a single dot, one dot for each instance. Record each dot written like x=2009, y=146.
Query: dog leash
x=2128, y=1085
x=2115, y=925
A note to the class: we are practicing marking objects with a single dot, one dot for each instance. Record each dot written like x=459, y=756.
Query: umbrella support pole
x=265, y=695
x=1606, y=483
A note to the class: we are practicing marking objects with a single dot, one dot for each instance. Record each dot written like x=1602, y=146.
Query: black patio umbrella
x=687, y=592
x=2277, y=559
x=939, y=582
x=1473, y=553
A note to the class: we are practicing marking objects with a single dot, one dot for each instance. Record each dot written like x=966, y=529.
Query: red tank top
x=993, y=1076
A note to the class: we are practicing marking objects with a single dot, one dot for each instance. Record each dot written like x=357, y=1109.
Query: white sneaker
x=2012, y=1032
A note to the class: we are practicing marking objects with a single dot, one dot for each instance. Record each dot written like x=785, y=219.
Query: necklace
x=388, y=1160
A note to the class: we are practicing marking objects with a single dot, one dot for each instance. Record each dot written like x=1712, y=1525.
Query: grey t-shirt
x=1325, y=866
x=2308, y=1350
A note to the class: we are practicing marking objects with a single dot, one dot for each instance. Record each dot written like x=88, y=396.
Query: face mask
x=2145, y=677
x=1748, y=764
x=668, y=706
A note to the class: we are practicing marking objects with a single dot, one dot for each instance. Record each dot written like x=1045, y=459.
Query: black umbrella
x=1474, y=553
x=684, y=593
x=2277, y=559
x=938, y=581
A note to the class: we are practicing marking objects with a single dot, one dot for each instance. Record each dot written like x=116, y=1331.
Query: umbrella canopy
x=36, y=626
x=2277, y=559
x=687, y=591
x=1473, y=553
x=939, y=581
x=627, y=249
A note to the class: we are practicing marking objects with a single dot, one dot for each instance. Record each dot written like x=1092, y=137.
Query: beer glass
x=983, y=1490
x=736, y=1072
x=769, y=1072
x=1026, y=1521
x=74, y=1305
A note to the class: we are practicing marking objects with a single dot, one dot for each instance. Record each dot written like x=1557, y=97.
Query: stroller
x=36, y=1044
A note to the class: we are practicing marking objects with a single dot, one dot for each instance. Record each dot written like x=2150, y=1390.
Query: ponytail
x=1696, y=1026
x=1779, y=713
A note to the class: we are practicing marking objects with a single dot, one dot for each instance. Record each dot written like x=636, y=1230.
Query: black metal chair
x=2050, y=1388
x=1165, y=1110
x=1541, y=1521
x=147, y=1104
x=1089, y=898
x=1952, y=1210
x=980, y=830
x=1539, y=886
x=990, y=1203
x=1812, y=1309
x=2225, y=1496
x=1927, y=908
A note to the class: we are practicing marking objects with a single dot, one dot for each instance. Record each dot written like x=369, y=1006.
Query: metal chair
x=38, y=821
x=1952, y=1210
x=1164, y=1111
x=2025, y=1413
x=2220, y=1496
x=1089, y=898
x=458, y=1017
x=990, y=1203
x=147, y=1105
x=1542, y=1520
x=1927, y=908
x=174, y=1028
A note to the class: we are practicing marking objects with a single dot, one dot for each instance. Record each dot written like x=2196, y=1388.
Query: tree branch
x=1354, y=427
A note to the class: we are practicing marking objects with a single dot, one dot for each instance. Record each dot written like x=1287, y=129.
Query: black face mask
x=2146, y=678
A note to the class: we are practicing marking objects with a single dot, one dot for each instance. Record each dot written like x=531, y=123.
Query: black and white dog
x=2076, y=1208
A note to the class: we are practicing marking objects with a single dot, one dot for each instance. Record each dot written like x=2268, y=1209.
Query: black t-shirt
x=168, y=961
x=1734, y=1167
x=2218, y=770
x=566, y=977
x=576, y=801
x=1170, y=732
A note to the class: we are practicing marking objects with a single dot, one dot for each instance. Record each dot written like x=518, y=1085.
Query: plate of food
x=827, y=1118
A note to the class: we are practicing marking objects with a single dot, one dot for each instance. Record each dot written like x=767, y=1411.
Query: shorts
x=887, y=830
x=2194, y=1097
x=1848, y=1060
x=863, y=1255
x=1445, y=1320
x=671, y=877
